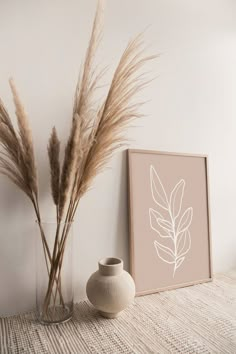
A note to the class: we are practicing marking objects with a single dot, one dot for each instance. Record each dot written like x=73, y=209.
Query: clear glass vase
x=54, y=267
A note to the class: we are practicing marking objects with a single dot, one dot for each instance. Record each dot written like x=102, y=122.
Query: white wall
x=191, y=108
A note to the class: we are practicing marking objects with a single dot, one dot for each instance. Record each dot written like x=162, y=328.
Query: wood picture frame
x=169, y=218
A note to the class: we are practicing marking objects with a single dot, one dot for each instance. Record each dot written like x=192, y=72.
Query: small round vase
x=111, y=289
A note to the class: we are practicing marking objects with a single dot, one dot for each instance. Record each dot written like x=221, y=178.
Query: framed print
x=170, y=243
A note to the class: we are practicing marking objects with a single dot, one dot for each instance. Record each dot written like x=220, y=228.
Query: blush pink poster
x=169, y=220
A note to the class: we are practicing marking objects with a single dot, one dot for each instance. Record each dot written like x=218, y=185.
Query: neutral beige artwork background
x=149, y=270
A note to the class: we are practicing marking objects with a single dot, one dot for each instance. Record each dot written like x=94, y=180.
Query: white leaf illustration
x=176, y=198
x=154, y=216
x=157, y=189
x=164, y=253
x=185, y=220
x=179, y=262
x=178, y=233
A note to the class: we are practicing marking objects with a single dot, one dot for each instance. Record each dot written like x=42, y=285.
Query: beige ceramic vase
x=111, y=289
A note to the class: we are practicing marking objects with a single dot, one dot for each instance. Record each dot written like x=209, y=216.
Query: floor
x=197, y=319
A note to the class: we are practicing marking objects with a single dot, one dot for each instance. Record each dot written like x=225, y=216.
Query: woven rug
x=197, y=319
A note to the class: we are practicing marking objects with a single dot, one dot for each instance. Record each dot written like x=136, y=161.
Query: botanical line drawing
x=170, y=224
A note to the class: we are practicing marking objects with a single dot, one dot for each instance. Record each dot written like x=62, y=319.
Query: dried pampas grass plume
x=68, y=168
x=54, y=160
x=17, y=160
x=117, y=111
x=26, y=139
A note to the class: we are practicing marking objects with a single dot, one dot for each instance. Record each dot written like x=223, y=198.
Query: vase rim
x=110, y=266
x=111, y=262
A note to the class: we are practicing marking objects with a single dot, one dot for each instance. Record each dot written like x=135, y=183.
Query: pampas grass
x=26, y=140
x=17, y=156
x=54, y=160
x=72, y=152
x=96, y=133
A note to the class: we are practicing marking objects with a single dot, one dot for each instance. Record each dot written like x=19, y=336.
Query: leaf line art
x=169, y=222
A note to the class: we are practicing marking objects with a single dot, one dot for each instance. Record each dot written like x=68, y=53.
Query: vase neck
x=110, y=266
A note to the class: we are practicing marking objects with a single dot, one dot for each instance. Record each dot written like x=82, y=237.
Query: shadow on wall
x=121, y=236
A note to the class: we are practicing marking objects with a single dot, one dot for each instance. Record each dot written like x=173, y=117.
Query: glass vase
x=54, y=278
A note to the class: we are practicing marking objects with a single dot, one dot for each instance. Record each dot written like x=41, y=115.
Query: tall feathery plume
x=116, y=112
x=54, y=154
x=86, y=87
x=87, y=83
x=11, y=156
x=68, y=168
x=26, y=139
